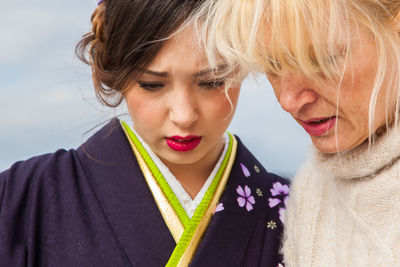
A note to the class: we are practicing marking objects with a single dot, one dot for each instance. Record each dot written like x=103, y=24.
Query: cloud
x=34, y=27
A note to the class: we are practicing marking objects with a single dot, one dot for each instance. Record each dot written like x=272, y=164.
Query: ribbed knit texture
x=344, y=209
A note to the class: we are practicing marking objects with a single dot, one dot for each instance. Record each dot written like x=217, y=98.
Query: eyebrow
x=207, y=71
x=156, y=73
x=197, y=74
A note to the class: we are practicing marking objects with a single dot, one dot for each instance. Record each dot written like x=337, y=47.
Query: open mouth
x=321, y=120
x=319, y=126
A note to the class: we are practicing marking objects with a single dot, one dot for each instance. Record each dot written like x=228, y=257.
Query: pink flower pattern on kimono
x=245, y=198
x=280, y=195
x=245, y=171
x=220, y=207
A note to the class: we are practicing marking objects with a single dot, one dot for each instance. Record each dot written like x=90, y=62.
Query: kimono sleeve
x=22, y=191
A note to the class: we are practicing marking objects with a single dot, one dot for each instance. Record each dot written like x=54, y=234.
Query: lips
x=318, y=126
x=183, y=144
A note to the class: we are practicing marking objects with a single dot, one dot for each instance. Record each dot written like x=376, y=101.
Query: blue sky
x=47, y=101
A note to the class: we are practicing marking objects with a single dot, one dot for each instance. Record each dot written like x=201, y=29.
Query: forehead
x=297, y=40
x=183, y=46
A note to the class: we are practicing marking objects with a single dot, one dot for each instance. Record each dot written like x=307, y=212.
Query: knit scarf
x=344, y=209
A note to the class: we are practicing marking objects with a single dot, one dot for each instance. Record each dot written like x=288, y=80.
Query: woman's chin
x=331, y=145
x=328, y=145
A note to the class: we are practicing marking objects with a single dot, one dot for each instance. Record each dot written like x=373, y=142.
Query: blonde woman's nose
x=294, y=92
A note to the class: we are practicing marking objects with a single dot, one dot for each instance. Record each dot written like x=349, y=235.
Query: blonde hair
x=221, y=26
x=302, y=36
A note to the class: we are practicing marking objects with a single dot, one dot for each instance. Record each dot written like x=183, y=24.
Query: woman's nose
x=294, y=92
x=183, y=109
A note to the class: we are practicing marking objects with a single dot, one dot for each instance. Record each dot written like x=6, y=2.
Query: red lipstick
x=183, y=144
x=318, y=126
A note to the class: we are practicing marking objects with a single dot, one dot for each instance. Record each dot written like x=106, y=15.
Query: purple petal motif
x=241, y=201
x=245, y=198
x=240, y=191
x=249, y=207
x=272, y=202
x=251, y=200
x=245, y=171
x=220, y=207
x=279, y=189
x=280, y=193
x=247, y=191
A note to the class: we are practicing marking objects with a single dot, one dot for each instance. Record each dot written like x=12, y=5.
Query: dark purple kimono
x=92, y=207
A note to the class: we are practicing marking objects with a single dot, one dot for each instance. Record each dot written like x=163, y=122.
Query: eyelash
x=276, y=66
x=152, y=86
x=211, y=84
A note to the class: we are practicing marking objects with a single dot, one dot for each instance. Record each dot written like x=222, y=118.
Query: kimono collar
x=186, y=201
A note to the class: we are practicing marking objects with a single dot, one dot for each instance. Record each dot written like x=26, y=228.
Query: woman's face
x=336, y=120
x=178, y=108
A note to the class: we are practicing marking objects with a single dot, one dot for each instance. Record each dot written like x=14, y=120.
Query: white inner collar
x=189, y=204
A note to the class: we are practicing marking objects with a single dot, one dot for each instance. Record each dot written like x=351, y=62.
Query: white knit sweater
x=344, y=209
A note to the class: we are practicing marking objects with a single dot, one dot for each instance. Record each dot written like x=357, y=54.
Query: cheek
x=142, y=112
x=219, y=109
x=274, y=81
x=358, y=81
x=133, y=103
x=233, y=94
x=356, y=92
x=228, y=106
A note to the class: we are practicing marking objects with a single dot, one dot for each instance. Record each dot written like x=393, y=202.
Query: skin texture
x=183, y=101
x=306, y=99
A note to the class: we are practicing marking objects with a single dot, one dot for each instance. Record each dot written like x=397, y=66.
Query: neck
x=364, y=160
x=192, y=176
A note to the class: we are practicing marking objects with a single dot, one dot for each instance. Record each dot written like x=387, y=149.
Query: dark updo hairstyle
x=126, y=35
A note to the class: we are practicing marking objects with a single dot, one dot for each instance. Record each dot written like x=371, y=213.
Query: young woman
x=175, y=189
x=335, y=67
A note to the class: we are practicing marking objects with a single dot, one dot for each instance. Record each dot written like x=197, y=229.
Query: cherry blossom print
x=273, y=202
x=280, y=193
x=245, y=198
x=220, y=207
x=245, y=171
x=279, y=189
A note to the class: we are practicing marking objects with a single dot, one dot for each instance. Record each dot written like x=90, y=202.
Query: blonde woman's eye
x=271, y=75
x=274, y=64
x=150, y=86
x=211, y=84
x=335, y=59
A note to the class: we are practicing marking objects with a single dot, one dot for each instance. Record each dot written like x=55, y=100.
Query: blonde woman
x=335, y=67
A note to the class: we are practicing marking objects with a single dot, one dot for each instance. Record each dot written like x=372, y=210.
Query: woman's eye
x=271, y=75
x=335, y=58
x=211, y=84
x=151, y=86
x=274, y=65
